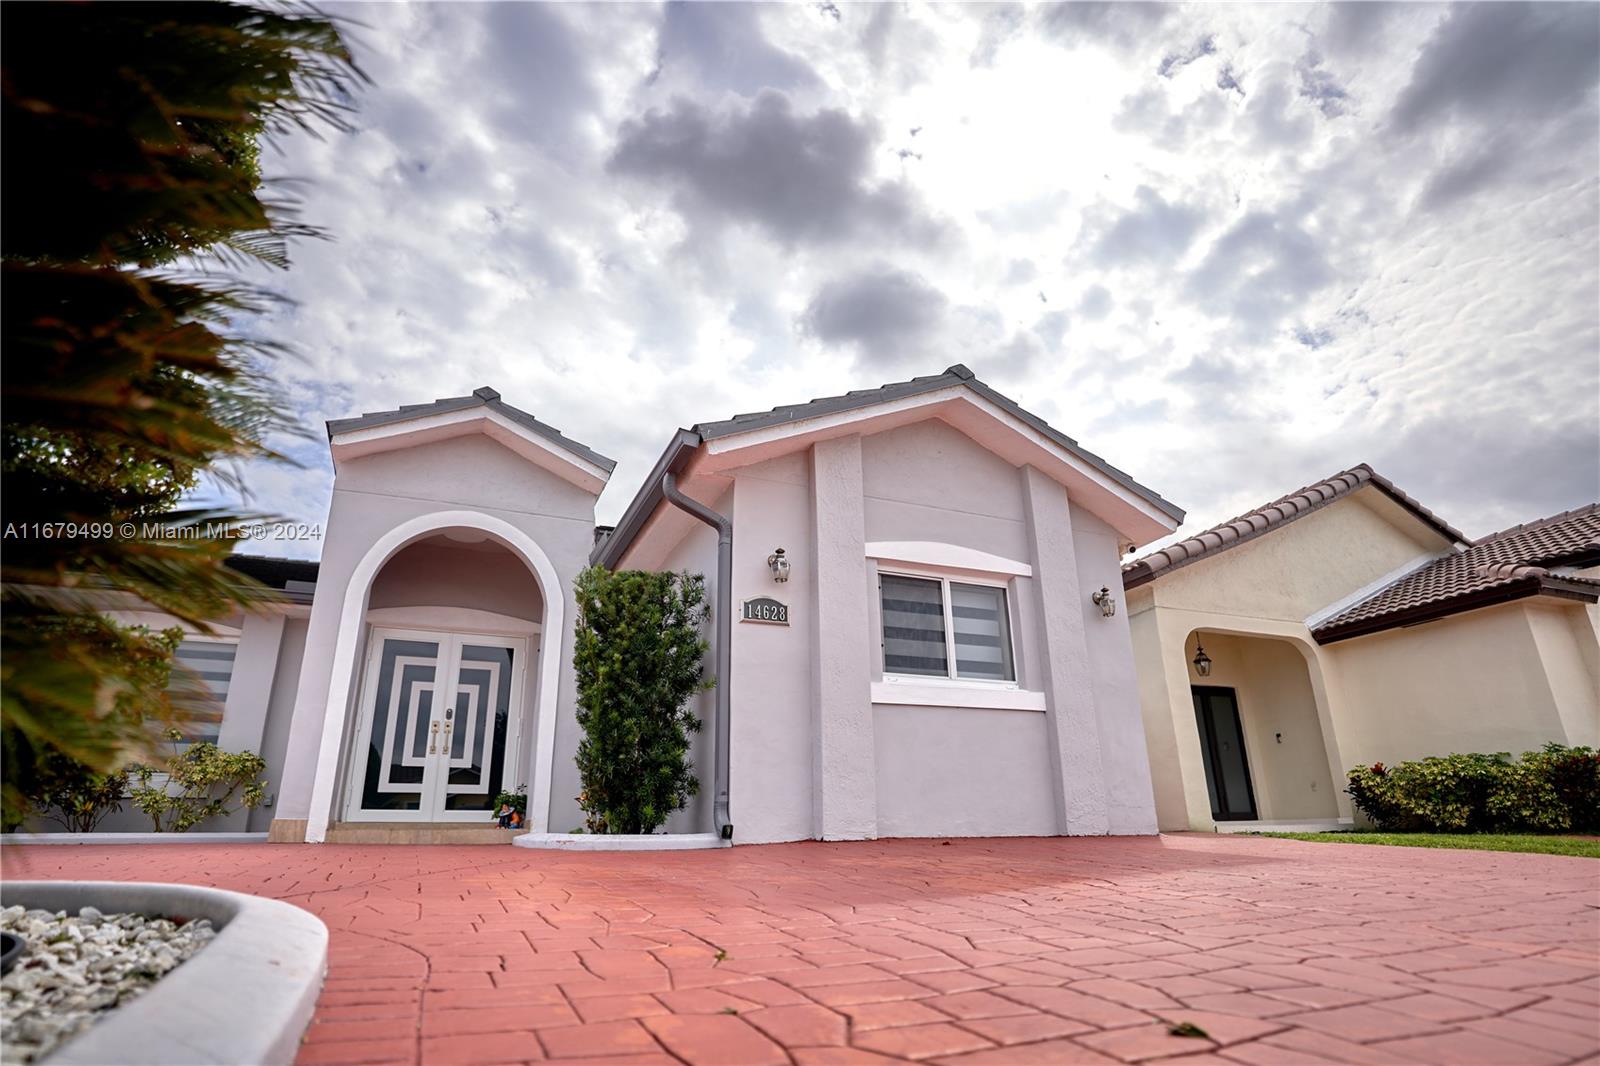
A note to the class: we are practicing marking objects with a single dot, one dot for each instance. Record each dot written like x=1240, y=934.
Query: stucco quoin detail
x=351, y=618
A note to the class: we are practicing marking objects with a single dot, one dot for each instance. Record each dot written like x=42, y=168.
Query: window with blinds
x=201, y=672
x=982, y=632
x=913, y=627
x=935, y=627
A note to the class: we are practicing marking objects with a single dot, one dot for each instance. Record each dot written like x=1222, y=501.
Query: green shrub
x=1547, y=791
x=638, y=660
x=201, y=781
x=1574, y=774
x=74, y=796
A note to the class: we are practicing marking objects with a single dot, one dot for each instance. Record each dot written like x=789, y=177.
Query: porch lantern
x=1105, y=601
x=780, y=566
x=1202, y=661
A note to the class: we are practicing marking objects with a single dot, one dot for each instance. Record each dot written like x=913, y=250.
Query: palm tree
x=132, y=133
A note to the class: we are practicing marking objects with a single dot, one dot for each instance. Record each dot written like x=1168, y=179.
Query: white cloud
x=1379, y=244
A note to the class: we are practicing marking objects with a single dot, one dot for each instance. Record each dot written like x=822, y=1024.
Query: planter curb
x=619, y=841
x=197, y=837
x=243, y=999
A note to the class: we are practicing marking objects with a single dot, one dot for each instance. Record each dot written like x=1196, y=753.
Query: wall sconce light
x=1105, y=601
x=1202, y=661
x=779, y=565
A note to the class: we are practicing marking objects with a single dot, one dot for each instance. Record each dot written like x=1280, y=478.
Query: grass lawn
x=1544, y=845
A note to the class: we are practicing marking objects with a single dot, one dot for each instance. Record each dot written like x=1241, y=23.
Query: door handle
x=433, y=739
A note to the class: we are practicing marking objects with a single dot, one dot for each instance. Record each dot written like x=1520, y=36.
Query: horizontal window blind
x=982, y=632
x=913, y=626
x=202, y=672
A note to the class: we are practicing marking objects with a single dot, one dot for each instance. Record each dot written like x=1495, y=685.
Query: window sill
x=933, y=694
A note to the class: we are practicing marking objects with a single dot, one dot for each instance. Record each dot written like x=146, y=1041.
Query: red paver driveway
x=975, y=951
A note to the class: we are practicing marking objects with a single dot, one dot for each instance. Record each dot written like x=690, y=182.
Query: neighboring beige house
x=1346, y=624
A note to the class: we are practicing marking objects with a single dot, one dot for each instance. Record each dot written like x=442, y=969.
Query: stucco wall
x=953, y=771
x=375, y=494
x=1306, y=565
x=1159, y=681
x=1569, y=646
x=435, y=572
x=1124, y=756
x=928, y=481
x=771, y=730
x=1475, y=682
x=280, y=713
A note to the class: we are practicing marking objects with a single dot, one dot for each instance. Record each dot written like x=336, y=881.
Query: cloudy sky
x=1230, y=249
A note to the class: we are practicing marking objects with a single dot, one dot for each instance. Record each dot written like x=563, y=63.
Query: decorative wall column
x=244, y=716
x=1072, y=724
x=844, y=775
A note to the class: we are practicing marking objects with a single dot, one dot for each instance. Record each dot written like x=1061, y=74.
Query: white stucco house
x=939, y=660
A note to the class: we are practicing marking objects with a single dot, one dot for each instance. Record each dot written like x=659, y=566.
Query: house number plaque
x=766, y=609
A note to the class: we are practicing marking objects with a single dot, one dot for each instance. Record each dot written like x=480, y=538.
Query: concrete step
x=1301, y=825
x=418, y=833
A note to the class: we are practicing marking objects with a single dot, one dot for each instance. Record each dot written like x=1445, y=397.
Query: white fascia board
x=802, y=432
x=532, y=446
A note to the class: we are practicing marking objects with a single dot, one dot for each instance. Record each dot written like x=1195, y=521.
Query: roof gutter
x=724, y=611
x=609, y=552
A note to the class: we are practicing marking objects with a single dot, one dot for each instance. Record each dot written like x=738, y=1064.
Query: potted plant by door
x=511, y=808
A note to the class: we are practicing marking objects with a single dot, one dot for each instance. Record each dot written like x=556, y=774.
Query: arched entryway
x=1259, y=731
x=442, y=685
x=436, y=726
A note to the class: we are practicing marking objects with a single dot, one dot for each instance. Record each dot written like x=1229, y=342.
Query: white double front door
x=437, y=728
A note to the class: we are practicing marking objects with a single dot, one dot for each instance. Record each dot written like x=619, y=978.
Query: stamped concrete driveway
x=972, y=951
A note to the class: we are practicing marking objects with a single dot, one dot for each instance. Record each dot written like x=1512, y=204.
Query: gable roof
x=484, y=397
x=610, y=550
x=1508, y=565
x=958, y=374
x=1276, y=515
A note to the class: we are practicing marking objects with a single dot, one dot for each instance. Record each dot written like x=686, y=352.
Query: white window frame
x=951, y=680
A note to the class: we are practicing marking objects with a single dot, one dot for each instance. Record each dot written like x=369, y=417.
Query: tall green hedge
x=1556, y=789
x=639, y=660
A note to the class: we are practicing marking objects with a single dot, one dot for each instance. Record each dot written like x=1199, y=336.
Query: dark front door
x=1216, y=714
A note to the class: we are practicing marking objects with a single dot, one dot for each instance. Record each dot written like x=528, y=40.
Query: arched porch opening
x=448, y=649
x=1258, y=722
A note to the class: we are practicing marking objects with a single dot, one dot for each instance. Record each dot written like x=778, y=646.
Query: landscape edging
x=245, y=998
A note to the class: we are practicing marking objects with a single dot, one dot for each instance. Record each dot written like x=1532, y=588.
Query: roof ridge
x=483, y=396
x=1277, y=513
x=957, y=374
x=1536, y=523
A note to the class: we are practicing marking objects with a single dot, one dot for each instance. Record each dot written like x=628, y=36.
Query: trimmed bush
x=1574, y=774
x=638, y=659
x=201, y=782
x=1553, y=790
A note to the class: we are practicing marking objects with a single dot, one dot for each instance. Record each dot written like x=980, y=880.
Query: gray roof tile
x=483, y=397
x=954, y=375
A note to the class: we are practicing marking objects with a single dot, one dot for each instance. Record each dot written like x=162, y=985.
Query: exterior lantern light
x=1202, y=661
x=1105, y=601
x=779, y=565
